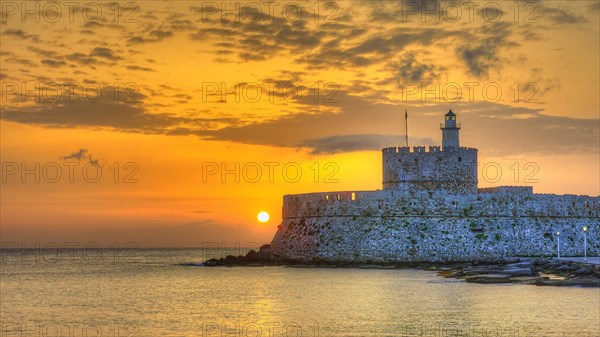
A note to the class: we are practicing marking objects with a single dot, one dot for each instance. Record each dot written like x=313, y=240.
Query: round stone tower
x=450, y=131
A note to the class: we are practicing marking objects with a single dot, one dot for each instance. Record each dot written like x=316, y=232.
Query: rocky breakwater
x=263, y=257
x=541, y=271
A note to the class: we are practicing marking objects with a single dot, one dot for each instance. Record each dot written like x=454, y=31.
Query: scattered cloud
x=366, y=40
x=53, y=63
x=561, y=15
x=80, y=155
x=21, y=34
x=105, y=53
x=408, y=69
x=138, y=68
x=486, y=54
x=359, y=142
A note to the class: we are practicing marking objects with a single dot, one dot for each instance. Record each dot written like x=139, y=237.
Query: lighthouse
x=450, y=131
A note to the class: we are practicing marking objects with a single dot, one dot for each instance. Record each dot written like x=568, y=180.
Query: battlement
x=422, y=149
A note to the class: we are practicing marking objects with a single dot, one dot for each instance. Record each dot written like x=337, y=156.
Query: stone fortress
x=431, y=210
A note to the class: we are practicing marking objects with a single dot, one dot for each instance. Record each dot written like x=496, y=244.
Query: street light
x=584, y=243
x=558, y=244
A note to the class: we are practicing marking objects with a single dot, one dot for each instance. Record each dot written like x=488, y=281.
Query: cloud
x=105, y=53
x=410, y=70
x=161, y=34
x=96, y=56
x=79, y=155
x=138, y=68
x=352, y=124
x=360, y=124
x=152, y=36
x=25, y=62
x=19, y=33
x=356, y=41
x=377, y=48
x=82, y=154
x=42, y=52
x=560, y=15
x=359, y=142
x=53, y=63
x=110, y=111
x=479, y=58
x=81, y=58
x=261, y=38
x=484, y=55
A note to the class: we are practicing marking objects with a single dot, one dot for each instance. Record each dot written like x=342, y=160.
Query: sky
x=174, y=123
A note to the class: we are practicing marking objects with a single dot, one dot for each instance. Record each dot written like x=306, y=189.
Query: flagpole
x=406, y=125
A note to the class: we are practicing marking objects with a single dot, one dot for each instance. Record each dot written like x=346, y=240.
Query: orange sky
x=178, y=83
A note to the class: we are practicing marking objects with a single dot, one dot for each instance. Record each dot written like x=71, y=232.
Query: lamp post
x=584, y=243
x=558, y=244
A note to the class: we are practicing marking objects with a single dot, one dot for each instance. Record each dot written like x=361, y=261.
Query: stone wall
x=421, y=168
x=394, y=225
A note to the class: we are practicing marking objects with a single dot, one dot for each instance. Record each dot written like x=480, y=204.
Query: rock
x=483, y=270
x=192, y=264
x=527, y=279
x=451, y=273
x=518, y=265
x=582, y=282
x=214, y=262
x=458, y=273
x=488, y=278
x=553, y=264
x=519, y=271
x=252, y=256
x=582, y=271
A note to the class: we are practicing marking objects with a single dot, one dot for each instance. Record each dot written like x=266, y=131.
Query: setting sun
x=263, y=217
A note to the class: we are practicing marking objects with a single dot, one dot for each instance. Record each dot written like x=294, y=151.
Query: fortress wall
x=419, y=239
x=387, y=226
x=514, y=202
x=421, y=168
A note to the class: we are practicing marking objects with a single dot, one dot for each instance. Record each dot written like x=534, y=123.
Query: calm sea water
x=153, y=293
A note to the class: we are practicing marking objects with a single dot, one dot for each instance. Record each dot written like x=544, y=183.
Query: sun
x=263, y=217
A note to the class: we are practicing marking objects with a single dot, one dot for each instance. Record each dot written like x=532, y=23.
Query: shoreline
x=537, y=271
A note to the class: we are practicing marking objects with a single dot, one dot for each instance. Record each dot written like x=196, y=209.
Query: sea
x=167, y=292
